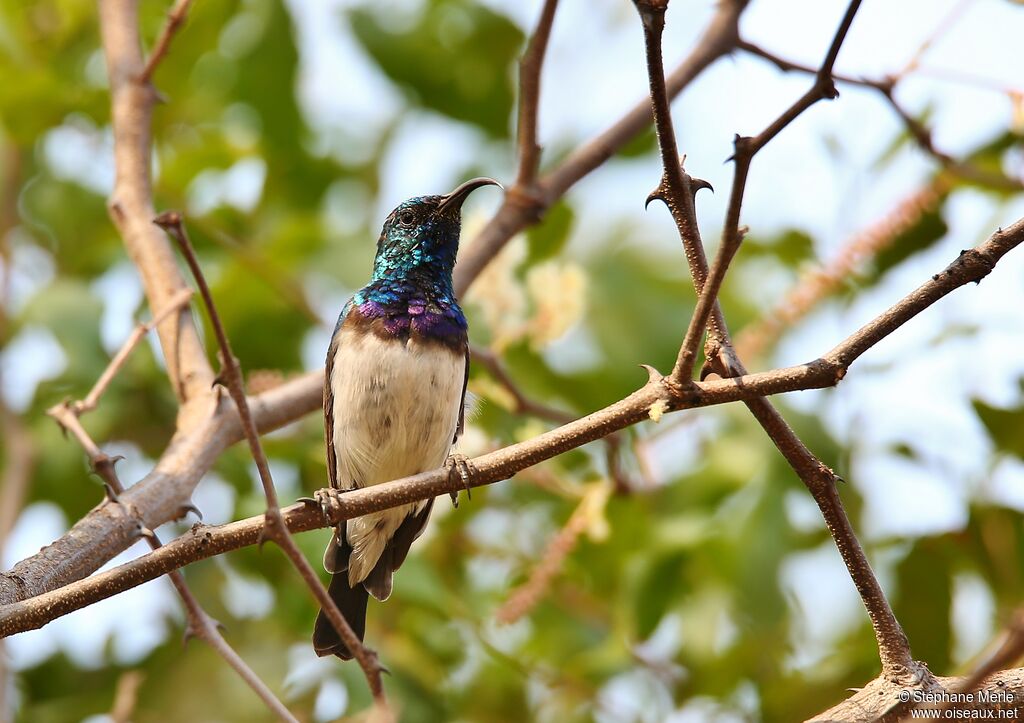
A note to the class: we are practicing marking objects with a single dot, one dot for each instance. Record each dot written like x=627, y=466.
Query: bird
x=394, y=397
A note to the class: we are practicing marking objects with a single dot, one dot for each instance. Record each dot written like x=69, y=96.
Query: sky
x=819, y=175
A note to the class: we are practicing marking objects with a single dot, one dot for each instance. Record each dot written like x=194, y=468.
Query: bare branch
x=274, y=526
x=526, y=596
x=529, y=97
x=138, y=334
x=746, y=149
x=126, y=695
x=131, y=206
x=517, y=212
x=921, y=134
x=818, y=284
x=205, y=541
x=675, y=190
x=200, y=624
x=523, y=404
x=175, y=18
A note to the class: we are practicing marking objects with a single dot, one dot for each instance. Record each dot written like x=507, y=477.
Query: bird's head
x=423, y=233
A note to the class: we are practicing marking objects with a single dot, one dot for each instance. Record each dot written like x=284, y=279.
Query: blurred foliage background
x=702, y=585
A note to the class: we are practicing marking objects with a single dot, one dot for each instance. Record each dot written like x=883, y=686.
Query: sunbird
x=394, y=396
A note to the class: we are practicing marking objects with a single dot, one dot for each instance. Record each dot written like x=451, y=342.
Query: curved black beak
x=454, y=199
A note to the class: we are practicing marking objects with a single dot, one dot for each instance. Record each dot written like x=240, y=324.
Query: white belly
x=396, y=409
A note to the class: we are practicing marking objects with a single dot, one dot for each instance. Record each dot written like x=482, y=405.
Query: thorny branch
x=517, y=211
x=675, y=190
x=200, y=624
x=659, y=393
x=274, y=527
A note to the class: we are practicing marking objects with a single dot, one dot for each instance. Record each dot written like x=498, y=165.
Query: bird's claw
x=459, y=464
x=327, y=500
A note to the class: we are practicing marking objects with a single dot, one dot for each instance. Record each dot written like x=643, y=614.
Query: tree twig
x=675, y=190
x=180, y=299
x=517, y=212
x=274, y=527
x=175, y=19
x=200, y=624
x=204, y=541
x=523, y=403
x=131, y=207
x=530, y=67
x=745, y=150
x=525, y=597
x=819, y=283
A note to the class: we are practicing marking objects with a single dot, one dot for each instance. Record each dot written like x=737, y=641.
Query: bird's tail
x=352, y=603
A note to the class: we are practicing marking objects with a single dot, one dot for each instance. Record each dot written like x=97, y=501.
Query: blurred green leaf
x=455, y=59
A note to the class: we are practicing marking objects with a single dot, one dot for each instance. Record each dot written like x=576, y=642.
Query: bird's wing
x=332, y=351
x=460, y=428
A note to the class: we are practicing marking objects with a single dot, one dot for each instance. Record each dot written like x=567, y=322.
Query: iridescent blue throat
x=411, y=289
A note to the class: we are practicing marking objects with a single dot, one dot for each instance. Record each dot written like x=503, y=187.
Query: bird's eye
x=405, y=218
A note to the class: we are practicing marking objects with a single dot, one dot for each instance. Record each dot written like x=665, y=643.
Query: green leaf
x=791, y=247
x=1005, y=427
x=454, y=60
x=922, y=235
x=549, y=237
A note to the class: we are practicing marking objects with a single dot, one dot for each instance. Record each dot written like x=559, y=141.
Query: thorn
x=655, y=195
x=697, y=184
x=190, y=507
x=168, y=219
x=653, y=375
x=111, y=493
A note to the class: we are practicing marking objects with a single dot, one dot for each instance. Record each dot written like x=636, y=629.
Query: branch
x=177, y=302
x=200, y=624
x=175, y=18
x=529, y=97
x=893, y=648
x=205, y=541
x=131, y=206
x=527, y=595
x=746, y=148
x=523, y=404
x=880, y=701
x=921, y=134
x=517, y=211
x=274, y=526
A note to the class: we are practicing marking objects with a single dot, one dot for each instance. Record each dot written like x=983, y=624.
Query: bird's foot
x=327, y=500
x=459, y=464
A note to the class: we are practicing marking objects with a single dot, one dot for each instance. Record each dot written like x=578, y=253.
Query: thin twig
x=126, y=695
x=519, y=211
x=205, y=541
x=530, y=67
x=523, y=403
x=175, y=19
x=894, y=650
x=275, y=528
x=138, y=333
x=922, y=135
x=200, y=624
x=745, y=150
